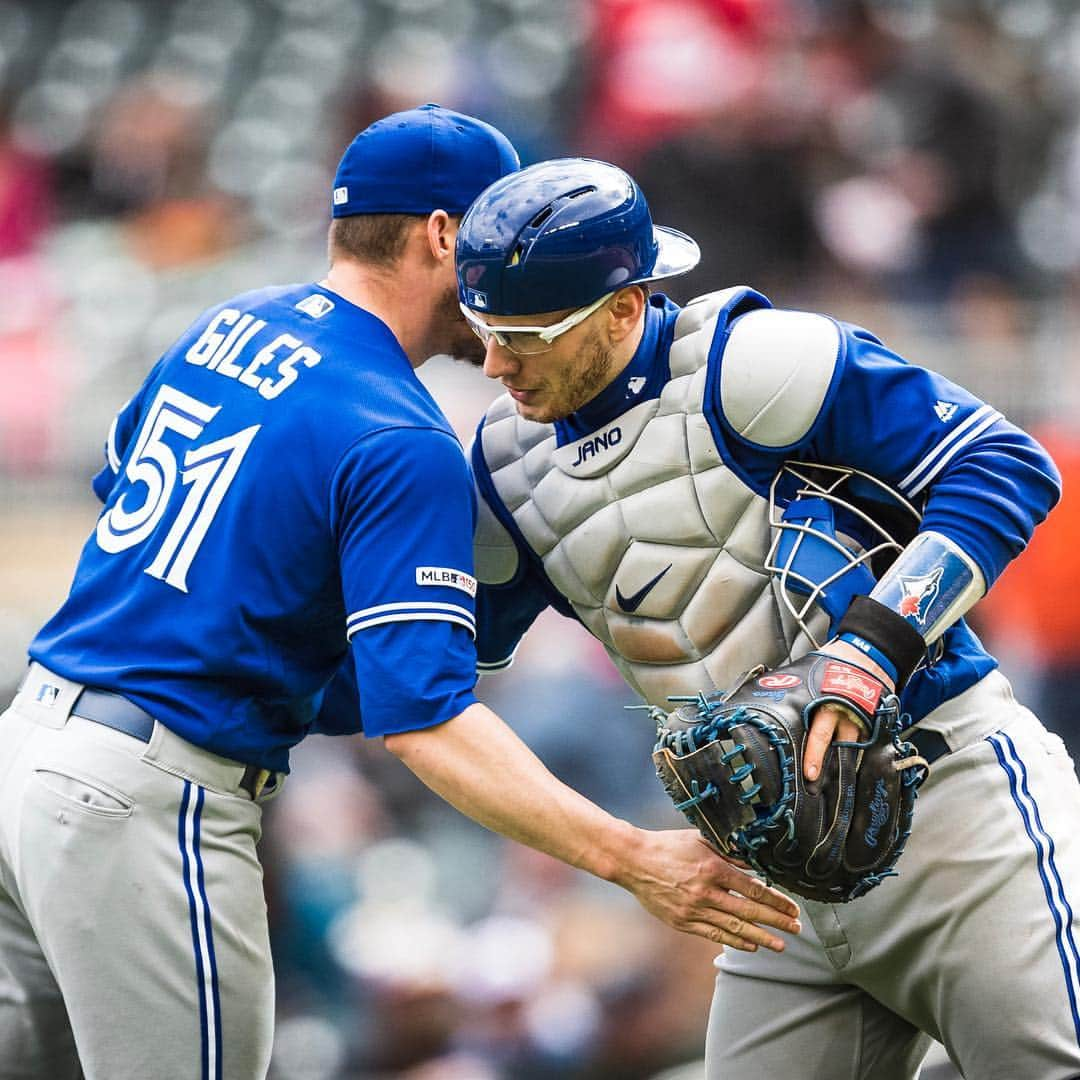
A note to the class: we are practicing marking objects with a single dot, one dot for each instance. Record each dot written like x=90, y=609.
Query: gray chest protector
x=657, y=544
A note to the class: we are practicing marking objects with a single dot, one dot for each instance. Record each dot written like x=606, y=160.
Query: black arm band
x=888, y=631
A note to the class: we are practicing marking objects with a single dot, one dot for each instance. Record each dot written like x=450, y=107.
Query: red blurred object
x=658, y=68
x=26, y=200
x=1032, y=607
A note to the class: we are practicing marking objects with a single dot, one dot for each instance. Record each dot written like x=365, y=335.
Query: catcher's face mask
x=834, y=532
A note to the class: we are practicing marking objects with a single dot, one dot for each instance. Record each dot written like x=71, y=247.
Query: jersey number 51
x=207, y=472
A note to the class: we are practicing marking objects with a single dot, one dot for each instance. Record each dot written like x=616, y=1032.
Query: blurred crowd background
x=910, y=165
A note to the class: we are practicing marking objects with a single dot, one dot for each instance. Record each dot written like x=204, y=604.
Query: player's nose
x=498, y=360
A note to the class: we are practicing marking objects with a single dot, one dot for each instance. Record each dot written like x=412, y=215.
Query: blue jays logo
x=919, y=593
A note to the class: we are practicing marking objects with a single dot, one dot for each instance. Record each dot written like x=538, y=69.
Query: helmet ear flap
x=832, y=529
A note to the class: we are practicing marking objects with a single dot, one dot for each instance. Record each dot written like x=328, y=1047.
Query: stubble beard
x=580, y=383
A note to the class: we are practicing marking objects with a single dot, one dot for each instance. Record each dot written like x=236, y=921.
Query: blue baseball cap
x=423, y=159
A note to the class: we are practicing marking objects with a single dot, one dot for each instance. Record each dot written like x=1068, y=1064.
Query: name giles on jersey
x=230, y=334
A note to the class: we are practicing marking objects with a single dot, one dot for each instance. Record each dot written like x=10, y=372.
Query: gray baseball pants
x=133, y=930
x=975, y=942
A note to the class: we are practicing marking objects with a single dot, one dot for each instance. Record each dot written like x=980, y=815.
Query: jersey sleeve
x=981, y=481
x=402, y=510
x=986, y=483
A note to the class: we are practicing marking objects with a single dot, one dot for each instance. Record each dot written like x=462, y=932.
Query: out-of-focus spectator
x=148, y=166
x=657, y=69
x=917, y=189
x=749, y=159
x=35, y=369
x=26, y=195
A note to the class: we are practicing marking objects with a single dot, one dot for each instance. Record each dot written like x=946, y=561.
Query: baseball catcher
x=732, y=763
x=723, y=484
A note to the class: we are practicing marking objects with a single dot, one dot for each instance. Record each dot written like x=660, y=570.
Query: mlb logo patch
x=316, y=305
x=446, y=576
x=476, y=299
x=341, y=195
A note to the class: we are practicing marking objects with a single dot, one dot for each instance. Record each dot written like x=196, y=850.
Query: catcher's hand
x=732, y=763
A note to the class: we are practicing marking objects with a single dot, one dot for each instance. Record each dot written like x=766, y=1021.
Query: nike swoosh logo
x=630, y=604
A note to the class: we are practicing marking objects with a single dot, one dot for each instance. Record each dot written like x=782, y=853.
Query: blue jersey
x=281, y=485
x=977, y=478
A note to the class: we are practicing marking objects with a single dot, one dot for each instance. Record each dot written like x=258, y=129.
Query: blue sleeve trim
x=494, y=666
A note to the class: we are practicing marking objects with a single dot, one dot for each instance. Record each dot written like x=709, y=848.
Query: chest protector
x=658, y=545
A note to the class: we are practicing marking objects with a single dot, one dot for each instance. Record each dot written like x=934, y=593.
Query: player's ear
x=625, y=311
x=441, y=233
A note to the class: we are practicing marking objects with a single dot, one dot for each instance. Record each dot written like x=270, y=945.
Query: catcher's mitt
x=732, y=763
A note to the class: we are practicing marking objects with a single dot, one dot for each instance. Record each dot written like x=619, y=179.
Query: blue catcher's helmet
x=559, y=235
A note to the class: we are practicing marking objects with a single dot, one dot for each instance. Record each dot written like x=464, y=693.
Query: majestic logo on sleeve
x=443, y=575
x=631, y=603
x=945, y=410
x=919, y=593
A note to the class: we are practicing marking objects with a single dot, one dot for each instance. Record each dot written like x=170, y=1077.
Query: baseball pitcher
x=284, y=505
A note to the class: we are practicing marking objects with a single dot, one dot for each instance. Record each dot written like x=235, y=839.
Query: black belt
x=116, y=712
x=930, y=744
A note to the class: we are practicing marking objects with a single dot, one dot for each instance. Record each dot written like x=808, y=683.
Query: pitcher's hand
x=683, y=882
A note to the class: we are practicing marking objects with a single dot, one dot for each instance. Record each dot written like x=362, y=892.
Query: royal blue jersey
x=977, y=478
x=280, y=486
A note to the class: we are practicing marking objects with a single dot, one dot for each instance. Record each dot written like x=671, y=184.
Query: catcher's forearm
x=479, y=766
x=931, y=585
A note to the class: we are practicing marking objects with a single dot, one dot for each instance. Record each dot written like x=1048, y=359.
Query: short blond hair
x=370, y=238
